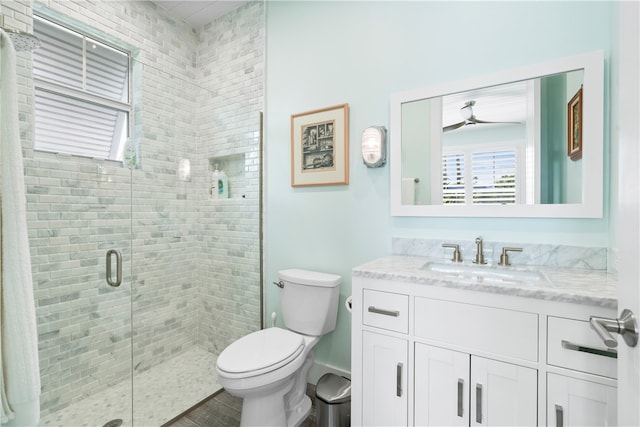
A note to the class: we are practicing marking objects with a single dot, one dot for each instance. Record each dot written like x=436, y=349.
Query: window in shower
x=82, y=93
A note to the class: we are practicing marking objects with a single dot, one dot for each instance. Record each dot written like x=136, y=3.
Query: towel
x=408, y=191
x=18, y=331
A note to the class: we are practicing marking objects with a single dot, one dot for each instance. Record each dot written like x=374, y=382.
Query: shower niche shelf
x=233, y=165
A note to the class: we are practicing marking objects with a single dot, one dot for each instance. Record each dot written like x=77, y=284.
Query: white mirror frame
x=592, y=142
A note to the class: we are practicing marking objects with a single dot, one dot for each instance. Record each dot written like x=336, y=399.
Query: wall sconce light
x=184, y=170
x=374, y=147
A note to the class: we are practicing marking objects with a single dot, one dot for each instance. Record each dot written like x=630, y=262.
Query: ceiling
x=198, y=12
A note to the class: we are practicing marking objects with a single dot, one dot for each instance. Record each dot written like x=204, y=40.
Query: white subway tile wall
x=191, y=264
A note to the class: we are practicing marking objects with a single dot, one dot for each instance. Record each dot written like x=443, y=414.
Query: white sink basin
x=485, y=273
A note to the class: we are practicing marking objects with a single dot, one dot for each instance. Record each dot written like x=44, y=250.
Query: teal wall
x=561, y=177
x=553, y=139
x=320, y=54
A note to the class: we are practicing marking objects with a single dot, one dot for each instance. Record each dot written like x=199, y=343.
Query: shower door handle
x=109, y=277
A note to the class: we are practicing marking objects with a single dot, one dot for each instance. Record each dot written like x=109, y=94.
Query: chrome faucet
x=479, y=255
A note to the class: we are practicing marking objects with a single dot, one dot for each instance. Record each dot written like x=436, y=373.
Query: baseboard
x=319, y=369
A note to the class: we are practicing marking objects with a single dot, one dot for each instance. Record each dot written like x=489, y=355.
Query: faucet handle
x=457, y=257
x=504, y=258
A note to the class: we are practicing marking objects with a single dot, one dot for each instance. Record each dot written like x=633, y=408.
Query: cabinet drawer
x=386, y=310
x=473, y=327
x=572, y=344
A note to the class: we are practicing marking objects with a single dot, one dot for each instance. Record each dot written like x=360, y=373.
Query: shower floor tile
x=159, y=394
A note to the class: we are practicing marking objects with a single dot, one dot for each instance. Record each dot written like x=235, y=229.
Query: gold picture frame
x=574, y=128
x=320, y=147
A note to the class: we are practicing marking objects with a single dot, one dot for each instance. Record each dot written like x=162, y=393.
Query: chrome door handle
x=108, y=276
x=626, y=325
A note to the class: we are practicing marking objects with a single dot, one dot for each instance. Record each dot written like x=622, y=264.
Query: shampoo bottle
x=219, y=185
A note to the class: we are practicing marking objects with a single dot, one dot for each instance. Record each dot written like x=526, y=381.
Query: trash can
x=333, y=401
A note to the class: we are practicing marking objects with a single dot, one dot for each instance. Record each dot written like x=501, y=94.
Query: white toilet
x=269, y=368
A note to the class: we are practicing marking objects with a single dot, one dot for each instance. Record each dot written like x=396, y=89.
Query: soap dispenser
x=219, y=184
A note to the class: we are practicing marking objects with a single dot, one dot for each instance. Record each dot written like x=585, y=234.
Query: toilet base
x=282, y=404
x=302, y=411
x=298, y=403
x=266, y=410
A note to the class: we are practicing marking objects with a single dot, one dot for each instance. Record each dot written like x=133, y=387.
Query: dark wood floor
x=223, y=410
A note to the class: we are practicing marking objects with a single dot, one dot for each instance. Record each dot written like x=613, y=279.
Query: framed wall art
x=574, y=128
x=320, y=147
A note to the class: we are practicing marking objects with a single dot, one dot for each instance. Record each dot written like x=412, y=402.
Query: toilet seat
x=260, y=352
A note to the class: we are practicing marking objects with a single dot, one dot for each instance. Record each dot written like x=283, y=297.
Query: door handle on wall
x=108, y=276
x=626, y=325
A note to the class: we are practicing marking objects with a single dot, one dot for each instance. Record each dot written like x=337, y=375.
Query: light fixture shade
x=374, y=147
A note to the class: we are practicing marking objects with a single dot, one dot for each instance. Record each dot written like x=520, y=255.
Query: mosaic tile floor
x=160, y=394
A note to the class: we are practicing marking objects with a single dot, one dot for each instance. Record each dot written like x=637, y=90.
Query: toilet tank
x=309, y=301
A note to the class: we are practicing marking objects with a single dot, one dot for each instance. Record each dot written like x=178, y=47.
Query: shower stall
x=142, y=351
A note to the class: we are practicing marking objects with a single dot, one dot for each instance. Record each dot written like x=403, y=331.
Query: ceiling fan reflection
x=470, y=119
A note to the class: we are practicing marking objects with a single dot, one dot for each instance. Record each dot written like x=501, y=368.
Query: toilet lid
x=261, y=351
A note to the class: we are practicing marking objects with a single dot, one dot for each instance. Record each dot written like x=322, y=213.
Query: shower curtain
x=19, y=369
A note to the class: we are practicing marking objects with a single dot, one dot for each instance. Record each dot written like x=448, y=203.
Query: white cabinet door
x=502, y=394
x=441, y=387
x=384, y=380
x=574, y=402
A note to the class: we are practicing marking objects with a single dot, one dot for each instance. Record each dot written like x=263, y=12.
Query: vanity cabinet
x=385, y=359
x=576, y=402
x=384, y=363
x=431, y=355
x=458, y=389
x=499, y=393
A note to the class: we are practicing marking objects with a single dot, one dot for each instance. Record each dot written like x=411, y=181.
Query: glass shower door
x=166, y=360
x=80, y=221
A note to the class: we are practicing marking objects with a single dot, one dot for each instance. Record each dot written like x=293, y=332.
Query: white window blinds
x=480, y=176
x=82, y=102
x=453, y=178
x=494, y=177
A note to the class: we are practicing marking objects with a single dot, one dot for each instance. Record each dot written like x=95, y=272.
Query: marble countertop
x=580, y=286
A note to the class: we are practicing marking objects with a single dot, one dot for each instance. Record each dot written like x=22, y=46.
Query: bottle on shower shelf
x=219, y=184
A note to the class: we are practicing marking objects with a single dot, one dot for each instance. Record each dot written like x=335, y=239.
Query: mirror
x=498, y=145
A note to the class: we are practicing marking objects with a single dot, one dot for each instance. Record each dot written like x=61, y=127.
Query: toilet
x=268, y=368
